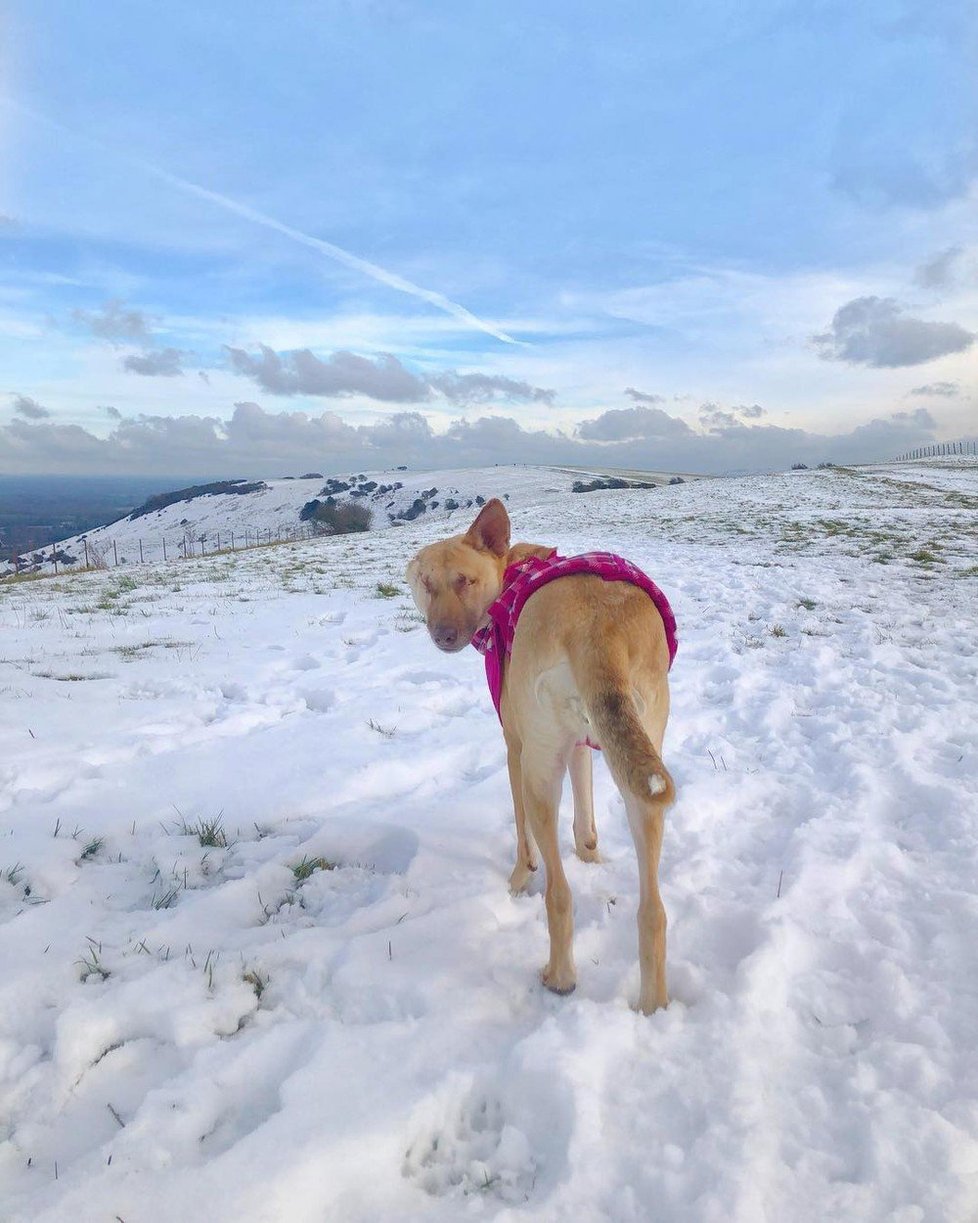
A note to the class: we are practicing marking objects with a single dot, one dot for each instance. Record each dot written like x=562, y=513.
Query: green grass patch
x=306, y=867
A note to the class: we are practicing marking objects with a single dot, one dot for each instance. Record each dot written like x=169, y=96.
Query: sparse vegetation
x=257, y=979
x=91, y=963
x=210, y=833
x=306, y=867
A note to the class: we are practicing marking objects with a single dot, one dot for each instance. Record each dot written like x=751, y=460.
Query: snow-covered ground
x=333, y=1012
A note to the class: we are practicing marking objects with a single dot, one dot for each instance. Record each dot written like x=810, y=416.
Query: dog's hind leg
x=525, y=859
x=542, y=775
x=646, y=819
x=582, y=784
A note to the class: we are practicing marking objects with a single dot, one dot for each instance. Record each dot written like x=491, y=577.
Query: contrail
x=336, y=253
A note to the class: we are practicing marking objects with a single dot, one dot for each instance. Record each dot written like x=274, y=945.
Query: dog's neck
x=521, y=552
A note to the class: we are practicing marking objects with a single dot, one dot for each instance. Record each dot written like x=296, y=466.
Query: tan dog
x=589, y=659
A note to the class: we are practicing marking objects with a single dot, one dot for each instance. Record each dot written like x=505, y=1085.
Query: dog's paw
x=562, y=983
x=520, y=878
x=588, y=853
x=651, y=1001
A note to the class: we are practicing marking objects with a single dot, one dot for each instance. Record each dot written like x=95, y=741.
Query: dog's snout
x=445, y=636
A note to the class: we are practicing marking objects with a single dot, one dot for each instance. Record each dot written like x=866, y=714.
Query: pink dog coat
x=521, y=580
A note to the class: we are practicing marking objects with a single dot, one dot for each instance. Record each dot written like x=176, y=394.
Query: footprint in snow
x=464, y=1145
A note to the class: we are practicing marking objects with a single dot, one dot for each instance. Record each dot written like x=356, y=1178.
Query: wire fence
x=939, y=450
x=88, y=553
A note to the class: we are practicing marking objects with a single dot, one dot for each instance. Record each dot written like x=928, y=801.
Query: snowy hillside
x=199, y=522
x=260, y=962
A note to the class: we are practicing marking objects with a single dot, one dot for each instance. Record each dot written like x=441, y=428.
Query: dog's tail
x=635, y=764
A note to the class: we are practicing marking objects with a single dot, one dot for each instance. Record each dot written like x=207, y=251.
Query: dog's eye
x=462, y=581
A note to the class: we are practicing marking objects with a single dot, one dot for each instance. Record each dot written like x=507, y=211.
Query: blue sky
x=719, y=230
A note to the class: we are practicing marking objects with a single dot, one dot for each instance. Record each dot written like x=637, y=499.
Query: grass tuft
x=257, y=980
x=306, y=867
x=91, y=850
x=386, y=590
x=210, y=833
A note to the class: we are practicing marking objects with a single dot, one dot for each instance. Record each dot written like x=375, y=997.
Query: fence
x=90, y=553
x=939, y=450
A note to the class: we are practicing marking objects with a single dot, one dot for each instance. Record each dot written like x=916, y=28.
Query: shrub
x=340, y=518
x=217, y=489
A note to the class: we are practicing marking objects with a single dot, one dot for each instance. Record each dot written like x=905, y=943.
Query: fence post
x=141, y=552
x=115, y=550
x=164, y=547
x=54, y=557
x=87, y=566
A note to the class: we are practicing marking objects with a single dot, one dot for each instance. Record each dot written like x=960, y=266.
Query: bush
x=799, y=466
x=218, y=488
x=340, y=518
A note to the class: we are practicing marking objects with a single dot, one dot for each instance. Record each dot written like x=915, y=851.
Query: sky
x=703, y=236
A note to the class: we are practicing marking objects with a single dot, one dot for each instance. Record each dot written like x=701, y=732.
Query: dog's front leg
x=525, y=859
x=541, y=800
x=582, y=784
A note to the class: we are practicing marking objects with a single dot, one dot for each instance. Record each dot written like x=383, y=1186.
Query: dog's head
x=455, y=582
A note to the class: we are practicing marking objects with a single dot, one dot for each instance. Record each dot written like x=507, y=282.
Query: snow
x=334, y=1013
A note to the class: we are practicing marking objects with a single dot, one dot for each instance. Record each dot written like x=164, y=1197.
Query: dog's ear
x=490, y=531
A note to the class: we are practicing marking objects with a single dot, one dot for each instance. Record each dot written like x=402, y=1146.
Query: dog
x=588, y=667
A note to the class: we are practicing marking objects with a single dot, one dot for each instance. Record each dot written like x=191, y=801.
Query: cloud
x=7, y=221
x=626, y=424
x=383, y=378
x=30, y=408
x=643, y=396
x=947, y=390
x=343, y=373
x=261, y=443
x=113, y=322
x=111, y=413
x=487, y=388
x=874, y=331
x=163, y=363
x=941, y=271
x=715, y=418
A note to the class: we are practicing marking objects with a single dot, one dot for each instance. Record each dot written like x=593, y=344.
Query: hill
x=204, y=518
